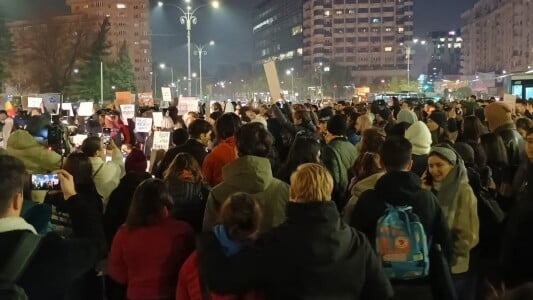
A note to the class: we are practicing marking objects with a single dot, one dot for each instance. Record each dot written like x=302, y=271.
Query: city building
x=372, y=37
x=445, y=47
x=277, y=33
x=498, y=37
x=129, y=22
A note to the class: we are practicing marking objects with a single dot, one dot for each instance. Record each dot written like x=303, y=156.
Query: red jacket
x=189, y=284
x=221, y=155
x=148, y=259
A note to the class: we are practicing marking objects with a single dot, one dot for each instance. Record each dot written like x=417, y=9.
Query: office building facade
x=445, y=47
x=277, y=33
x=368, y=36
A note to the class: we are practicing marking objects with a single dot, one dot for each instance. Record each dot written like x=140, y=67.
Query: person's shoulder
x=178, y=226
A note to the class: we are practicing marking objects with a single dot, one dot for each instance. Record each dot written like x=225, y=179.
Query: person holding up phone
x=106, y=175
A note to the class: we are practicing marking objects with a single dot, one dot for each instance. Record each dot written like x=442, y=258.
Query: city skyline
x=168, y=36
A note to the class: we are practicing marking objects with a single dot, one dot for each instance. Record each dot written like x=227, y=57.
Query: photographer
x=106, y=175
x=56, y=262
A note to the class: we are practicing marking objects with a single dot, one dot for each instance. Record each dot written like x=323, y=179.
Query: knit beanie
x=466, y=152
x=407, y=116
x=498, y=114
x=439, y=117
x=419, y=136
x=136, y=161
x=446, y=153
x=337, y=125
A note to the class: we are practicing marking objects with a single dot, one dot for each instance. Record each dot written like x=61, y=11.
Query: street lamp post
x=408, y=47
x=188, y=19
x=201, y=51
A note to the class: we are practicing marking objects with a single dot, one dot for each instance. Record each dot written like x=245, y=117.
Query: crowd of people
x=386, y=200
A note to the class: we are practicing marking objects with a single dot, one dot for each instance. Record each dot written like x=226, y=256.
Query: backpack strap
x=20, y=257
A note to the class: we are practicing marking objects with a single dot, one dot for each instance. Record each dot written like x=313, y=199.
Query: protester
x=148, y=251
x=419, y=136
x=296, y=259
x=250, y=173
x=56, y=262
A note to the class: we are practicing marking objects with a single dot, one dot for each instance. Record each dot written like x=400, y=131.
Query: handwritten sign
x=128, y=111
x=78, y=139
x=86, y=109
x=143, y=124
x=161, y=140
x=34, y=102
x=167, y=94
x=187, y=104
x=146, y=100
x=158, y=118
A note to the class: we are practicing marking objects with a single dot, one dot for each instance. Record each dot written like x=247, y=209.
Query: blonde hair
x=311, y=182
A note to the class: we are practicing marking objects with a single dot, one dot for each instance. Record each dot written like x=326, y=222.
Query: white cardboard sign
x=187, y=104
x=167, y=94
x=158, y=118
x=143, y=124
x=34, y=102
x=68, y=106
x=161, y=140
x=128, y=111
x=85, y=109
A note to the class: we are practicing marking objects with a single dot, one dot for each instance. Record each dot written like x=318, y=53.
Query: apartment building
x=369, y=36
x=498, y=37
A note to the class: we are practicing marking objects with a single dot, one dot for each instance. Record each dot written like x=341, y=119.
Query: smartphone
x=106, y=135
x=45, y=182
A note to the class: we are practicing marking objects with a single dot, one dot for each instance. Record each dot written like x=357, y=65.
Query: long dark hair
x=79, y=166
x=473, y=129
x=303, y=150
x=371, y=142
x=148, y=203
x=184, y=162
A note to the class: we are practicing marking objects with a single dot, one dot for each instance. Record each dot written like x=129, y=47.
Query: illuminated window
x=327, y=13
x=400, y=29
x=388, y=29
x=297, y=30
x=388, y=49
x=121, y=5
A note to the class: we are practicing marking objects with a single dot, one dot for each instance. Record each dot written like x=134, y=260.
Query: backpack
x=15, y=267
x=402, y=244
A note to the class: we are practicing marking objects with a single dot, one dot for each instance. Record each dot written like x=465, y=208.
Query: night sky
x=230, y=27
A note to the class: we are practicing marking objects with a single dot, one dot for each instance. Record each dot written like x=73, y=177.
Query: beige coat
x=356, y=192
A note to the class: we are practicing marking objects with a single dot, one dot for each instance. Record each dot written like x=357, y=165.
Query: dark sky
x=229, y=27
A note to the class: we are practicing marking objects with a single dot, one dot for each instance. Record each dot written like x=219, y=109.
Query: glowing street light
x=188, y=19
x=201, y=51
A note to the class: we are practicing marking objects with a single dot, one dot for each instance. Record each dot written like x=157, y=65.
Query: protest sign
x=34, y=102
x=187, y=104
x=161, y=140
x=143, y=124
x=157, y=116
x=85, y=109
x=128, y=112
x=167, y=94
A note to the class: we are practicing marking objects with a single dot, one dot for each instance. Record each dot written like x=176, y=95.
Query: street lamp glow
x=288, y=72
x=326, y=69
x=162, y=66
x=187, y=1
x=189, y=7
x=504, y=72
x=193, y=75
x=76, y=71
x=215, y=4
x=160, y=3
x=211, y=43
x=423, y=42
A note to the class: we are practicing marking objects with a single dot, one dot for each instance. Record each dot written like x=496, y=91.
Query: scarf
x=228, y=246
x=15, y=223
x=448, y=190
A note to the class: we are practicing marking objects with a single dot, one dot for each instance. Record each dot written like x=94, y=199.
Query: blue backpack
x=401, y=244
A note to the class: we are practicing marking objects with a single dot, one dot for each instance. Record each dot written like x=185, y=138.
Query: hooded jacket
x=357, y=190
x=107, y=175
x=338, y=157
x=313, y=255
x=222, y=154
x=35, y=156
x=253, y=175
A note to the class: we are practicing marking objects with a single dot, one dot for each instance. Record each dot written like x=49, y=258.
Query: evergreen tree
x=122, y=74
x=6, y=51
x=87, y=85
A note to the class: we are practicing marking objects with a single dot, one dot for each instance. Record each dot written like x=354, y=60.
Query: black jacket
x=404, y=189
x=420, y=164
x=193, y=147
x=58, y=262
x=514, y=144
x=401, y=189
x=313, y=255
x=119, y=203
